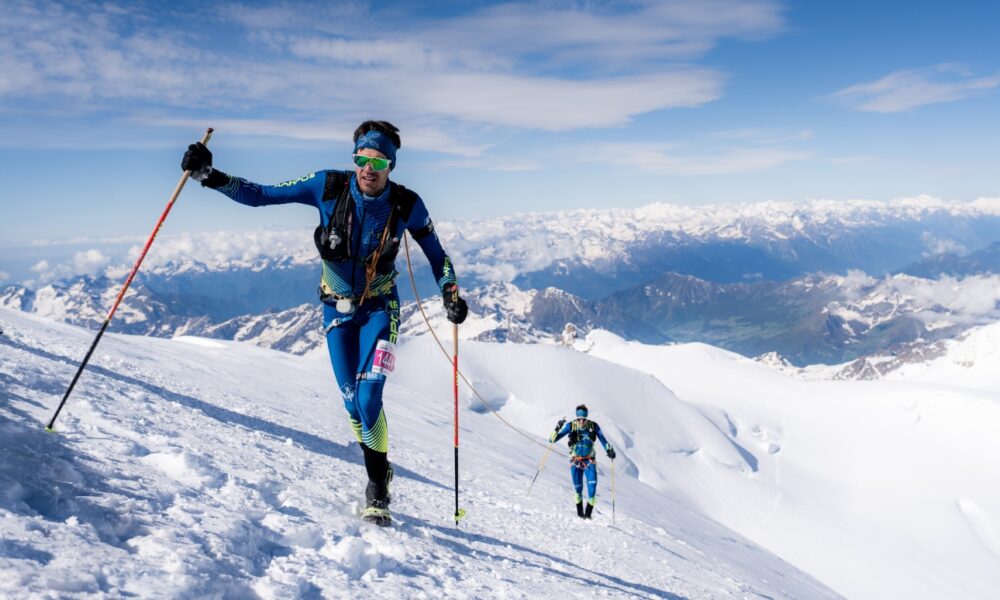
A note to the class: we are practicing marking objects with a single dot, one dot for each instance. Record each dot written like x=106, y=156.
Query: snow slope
x=879, y=489
x=968, y=362
x=194, y=468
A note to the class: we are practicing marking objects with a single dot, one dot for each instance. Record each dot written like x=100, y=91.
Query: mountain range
x=818, y=282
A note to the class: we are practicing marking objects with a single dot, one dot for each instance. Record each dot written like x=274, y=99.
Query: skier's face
x=370, y=181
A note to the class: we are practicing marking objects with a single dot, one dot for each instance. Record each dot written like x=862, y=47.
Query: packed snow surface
x=880, y=489
x=192, y=469
x=186, y=468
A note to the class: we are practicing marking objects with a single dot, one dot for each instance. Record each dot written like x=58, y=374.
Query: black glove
x=611, y=453
x=198, y=160
x=560, y=424
x=455, y=306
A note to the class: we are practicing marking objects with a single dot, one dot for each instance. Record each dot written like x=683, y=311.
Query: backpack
x=334, y=241
x=589, y=428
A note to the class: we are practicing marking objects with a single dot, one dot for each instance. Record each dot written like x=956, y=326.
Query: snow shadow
x=747, y=456
x=494, y=397
x=460, y=542
x=41, y=476
x=309, y=441
x=19, y=550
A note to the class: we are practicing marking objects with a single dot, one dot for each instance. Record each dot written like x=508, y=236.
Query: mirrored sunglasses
x=376, y=163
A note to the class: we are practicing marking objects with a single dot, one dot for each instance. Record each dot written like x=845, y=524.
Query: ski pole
x=541, y=466
x=459, y=513
x=612, y=491
x=128, y=281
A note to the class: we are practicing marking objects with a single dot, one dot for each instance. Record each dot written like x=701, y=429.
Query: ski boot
x=579, y=509
x=589, y=511
x=377, y=500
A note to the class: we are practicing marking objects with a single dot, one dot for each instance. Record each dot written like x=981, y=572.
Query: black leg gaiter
x=377, y=464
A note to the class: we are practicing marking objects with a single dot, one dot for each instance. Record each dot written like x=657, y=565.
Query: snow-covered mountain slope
x=819, y=318
x=880, y=489
x=970, y=361
x=197, y=468
x=752, y=278
x=593, y=252
x=297, y=330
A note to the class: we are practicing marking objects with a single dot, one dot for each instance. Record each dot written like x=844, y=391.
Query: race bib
x=385, y=357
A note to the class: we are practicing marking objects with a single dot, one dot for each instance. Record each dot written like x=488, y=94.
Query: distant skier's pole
x=128, y=281
x=612, y=491
x=541, y=466
x=459, y=513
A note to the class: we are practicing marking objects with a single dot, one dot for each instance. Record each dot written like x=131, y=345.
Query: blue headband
x=581, y=412
x=376, y=140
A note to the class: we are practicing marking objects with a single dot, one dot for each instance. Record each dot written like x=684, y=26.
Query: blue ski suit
x=361, y=343
x=583, y=460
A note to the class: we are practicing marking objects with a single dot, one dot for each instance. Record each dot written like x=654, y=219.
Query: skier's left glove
x=610, y=451
x=454, y=306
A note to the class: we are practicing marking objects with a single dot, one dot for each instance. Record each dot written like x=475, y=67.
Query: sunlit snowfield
x=189, y=467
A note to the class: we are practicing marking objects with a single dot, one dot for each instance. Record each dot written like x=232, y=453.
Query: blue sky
x=503, y=107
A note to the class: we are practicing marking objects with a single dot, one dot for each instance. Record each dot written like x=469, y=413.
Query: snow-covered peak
x=606, y=240
x=971, y=360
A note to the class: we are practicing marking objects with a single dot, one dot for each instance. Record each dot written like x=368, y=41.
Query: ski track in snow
x=222, y=470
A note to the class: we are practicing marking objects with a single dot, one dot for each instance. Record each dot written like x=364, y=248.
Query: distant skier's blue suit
x=582, y=454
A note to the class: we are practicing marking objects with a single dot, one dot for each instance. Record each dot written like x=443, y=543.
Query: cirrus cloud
x=905, y=90
x=682, y=159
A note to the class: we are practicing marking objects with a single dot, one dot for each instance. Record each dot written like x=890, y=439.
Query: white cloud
x=680, y=159
x=85, y=262
x=89, y=261
x=557, y=104
x=905, y=90
x=937, y=245
x=4, y=276
x=613, y=35
x=522, y=65
x=225, y=247
x=855, y=283
x=493, y=164
x=970, y=300
x=418, y=135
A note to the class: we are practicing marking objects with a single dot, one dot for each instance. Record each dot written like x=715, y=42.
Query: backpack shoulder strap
x=336, y=188
x=335, y=185
x=403, y=200
x=408, y=200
